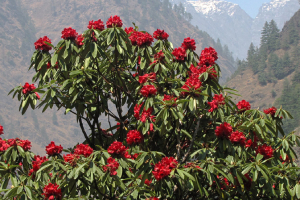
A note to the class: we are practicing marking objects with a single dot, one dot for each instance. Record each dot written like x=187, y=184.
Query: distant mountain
x=24, y=21
x=279, y=10
x=232, y=25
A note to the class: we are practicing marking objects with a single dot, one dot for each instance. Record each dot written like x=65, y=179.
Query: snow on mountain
x=278, y=10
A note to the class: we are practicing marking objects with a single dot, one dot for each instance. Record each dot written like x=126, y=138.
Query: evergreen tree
x=265, y=34
x=293, y=34
x=273, y=36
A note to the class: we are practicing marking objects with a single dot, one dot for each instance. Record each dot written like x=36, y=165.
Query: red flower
x=271, y=111
x=189, y=43
x=191, y=83
x=79, y=40
x=237, y=137
x=287, y=159
x=71, y=158
x=148, y=182
x=148, y=90
x=36, y=164
x=41, y=45
x=146, y=114
x=224, y=130
x=129, y=30
x=217, y=100
x=117, y=148
x=53, y=149
x=134, y=137
x=249, y=143
x=265, y=150
x=83, y=149
x=69, y=33
x=27, y=88
x=136, y=111
x=3, y=145
x=114, y=21
x=98, y=25
x=25, y=144
x=179, y=54
x=170, y=99
x=140, y=38
x=160, y=35
x=147, y=77
x=51, y=191
x=112, y=166
x=134, y=156
x=152, y=198
x=1, y=130
x=164, y=167
x=243, y=105
x=208, y=57
x=159, y=56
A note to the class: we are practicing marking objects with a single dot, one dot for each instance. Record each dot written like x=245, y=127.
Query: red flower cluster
x=159, y=56
x=197, y=71
x=146, y=114
x=171, y=99
x=243, y=105
x=41, y=45
x=96, y=25
x=140, y=38
x=117, y=148
x=36, y=164
x=224, y=130
x=25, y=144
x=218, y=100
x=191, y=83
x=129, y=30
x=189, y=43
x=148, y=90
x=114, y=21
x=136, y=110
x=79, y=40
x=134, y=137
x=179, y=54
x=208, y=57
x=27, y=88
x=271, y=111
x=265, y=150
x=53, y=149
x=147, y=77
x=160, y=35
x=112, y=166
x=52, y=192
x=3, y=145
x=71, y=158
x=83, y=149
x=1, y=130
x=148, y=182
x=238, y=137
x=152, y=198
x=69, y=33
x=164, y=168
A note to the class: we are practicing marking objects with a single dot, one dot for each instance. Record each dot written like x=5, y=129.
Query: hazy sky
x=250, y=6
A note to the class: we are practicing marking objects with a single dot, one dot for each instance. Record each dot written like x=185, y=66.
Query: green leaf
x=111, y=37
x=188, y=175
x=180, y=173
x=94, y=49
x=298, y=191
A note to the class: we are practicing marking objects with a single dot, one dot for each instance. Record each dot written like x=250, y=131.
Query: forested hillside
x=273, y=70
x=24, y=21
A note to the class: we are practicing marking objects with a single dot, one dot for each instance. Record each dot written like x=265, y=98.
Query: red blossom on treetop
x=71, y=158
x=148, y=90
x=243, y=105
x=98, y=25
x=53, y=149
x=265, y=150
x=134, y=137
x=208, y=57
x=237, y=137
x=117, y=148
x=179, y=53
x=129, y=30
x=83, y=149
x=217, y=100
x=164, y=167
x=36, y=163
x=160, y=35
x=139, y=38
x=224, y=130
x=69, y=33
x=3, y=145
x=189, y=43
x=51, y=191
x=271, y=111
x=1, y=130
x=114, y=21
x=112, y=166
x=191, y=83
x=27, y=88
x=79, y=40
x=146, y=114
x=41, y=45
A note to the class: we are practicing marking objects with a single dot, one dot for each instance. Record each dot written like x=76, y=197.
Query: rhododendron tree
x=173, y=132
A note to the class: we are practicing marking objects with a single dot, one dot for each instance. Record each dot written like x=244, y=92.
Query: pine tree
x=273, y=36
x=265, y=34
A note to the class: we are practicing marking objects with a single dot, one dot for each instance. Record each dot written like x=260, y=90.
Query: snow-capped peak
x=208, y=7
x=274, y=4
